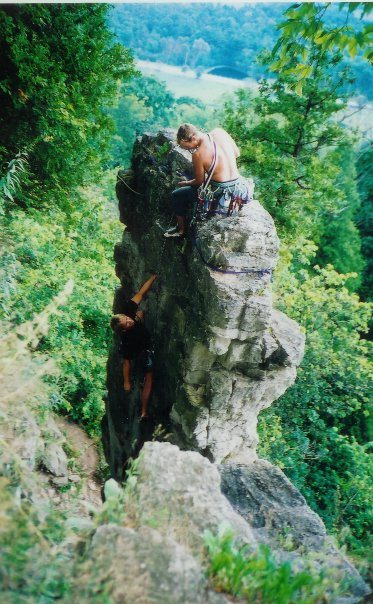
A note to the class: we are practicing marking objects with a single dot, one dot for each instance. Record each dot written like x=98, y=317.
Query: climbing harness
x=223, y=198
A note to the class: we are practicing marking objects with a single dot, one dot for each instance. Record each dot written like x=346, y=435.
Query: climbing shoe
x=174, y=232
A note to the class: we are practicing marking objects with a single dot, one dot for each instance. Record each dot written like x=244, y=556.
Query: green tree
x=340, y=242
x=145, y=104
x=58, y=78
x=317, y=430
x=59, y=71
x=200, y=51
x=365, y=214
x=287, y=141
x=306, y=36
x=193, y=111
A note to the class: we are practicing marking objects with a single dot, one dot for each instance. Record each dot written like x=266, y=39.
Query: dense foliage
x=306, y=32
x=47, y=249
x=145, y=104
x=259, y=577
x=318, y=429
x=303, y=162
x=205, y=36
x=58, y=74
x=365, y=214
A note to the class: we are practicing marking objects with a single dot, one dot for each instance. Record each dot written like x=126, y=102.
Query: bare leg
x=181, y=224
x=127, y=375
x=146, y=392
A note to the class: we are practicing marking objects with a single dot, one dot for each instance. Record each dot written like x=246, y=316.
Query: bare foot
x=127, y=387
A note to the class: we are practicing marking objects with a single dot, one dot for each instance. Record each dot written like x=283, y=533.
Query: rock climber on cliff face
x=135, y=344
x=216, y=176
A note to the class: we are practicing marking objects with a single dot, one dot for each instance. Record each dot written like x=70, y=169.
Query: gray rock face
x=186, y=500
x=55, y=459
x=222, y=353
x=268, y=501
x=280, y=516
x=179, y=494
x=142, y=567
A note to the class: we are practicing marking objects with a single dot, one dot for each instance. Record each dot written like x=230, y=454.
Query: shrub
x=257, y=576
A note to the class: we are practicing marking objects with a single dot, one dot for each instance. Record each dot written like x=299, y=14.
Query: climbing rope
x=228, y=271
x=128, y=187
x=157, y=292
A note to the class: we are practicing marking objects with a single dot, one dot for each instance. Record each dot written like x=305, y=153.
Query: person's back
x=226, y=165
x=216, y=176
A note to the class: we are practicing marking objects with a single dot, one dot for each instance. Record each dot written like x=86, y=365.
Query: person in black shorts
x=135, y=345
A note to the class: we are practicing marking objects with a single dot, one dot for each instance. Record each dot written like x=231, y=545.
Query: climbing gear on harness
x=228, y=197
x=222, y=197
x=225, y=198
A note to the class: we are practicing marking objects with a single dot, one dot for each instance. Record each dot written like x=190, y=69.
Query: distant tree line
x=202, y=36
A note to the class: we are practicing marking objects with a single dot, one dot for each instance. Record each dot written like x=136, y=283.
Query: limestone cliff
x=222, y=352
x=222, y=355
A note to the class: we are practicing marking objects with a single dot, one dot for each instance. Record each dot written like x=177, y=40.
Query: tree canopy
x=306, y=34
x=59, y=71
x=234, y=36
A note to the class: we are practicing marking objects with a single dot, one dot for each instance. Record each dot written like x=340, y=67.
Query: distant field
x=207, y=88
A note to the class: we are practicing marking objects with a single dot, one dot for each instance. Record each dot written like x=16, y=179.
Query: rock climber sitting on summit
x=135, y=344
x=216, y=177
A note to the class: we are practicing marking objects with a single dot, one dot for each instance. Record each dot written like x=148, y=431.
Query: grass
x=208, y=89
x=257, y=576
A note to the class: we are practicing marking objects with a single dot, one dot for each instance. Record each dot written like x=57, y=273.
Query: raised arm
x=144, y=289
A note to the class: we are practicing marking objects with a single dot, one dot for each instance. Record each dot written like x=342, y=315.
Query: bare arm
x=144, y=289
x=199, y=173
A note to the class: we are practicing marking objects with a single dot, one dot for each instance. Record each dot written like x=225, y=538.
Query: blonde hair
x=186, y=132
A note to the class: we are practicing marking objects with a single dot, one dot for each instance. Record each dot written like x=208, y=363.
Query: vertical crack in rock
x=222, y=352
